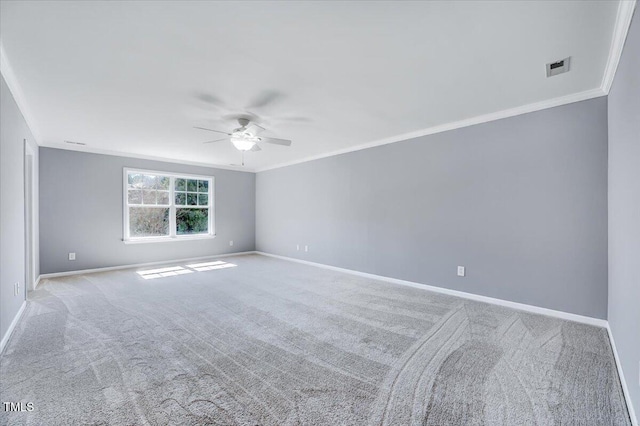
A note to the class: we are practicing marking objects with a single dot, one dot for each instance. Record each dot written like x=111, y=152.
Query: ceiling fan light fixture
x=243, y=141
x=245, y=138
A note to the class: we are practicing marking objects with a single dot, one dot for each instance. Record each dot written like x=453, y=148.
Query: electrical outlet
x=72, y=256
x=306, y=248
x=16, y=289
x=461, y=271
x=231, y=242
x=297, y=247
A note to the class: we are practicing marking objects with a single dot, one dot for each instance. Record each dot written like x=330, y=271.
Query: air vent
x=558, y=67
x=75, y=143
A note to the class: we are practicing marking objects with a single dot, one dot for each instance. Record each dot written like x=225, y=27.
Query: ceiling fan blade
x=211, y=130
x=256, y=148
x=276, y=141
x=265, y=98
x=295, y=119
x=210, y=99
x=240, y=115
x=217, y=140
x=253, y=128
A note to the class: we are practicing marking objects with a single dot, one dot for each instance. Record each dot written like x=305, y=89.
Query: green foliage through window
x=192, y=221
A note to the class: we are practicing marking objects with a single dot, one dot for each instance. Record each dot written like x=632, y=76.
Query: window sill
x=168, y=239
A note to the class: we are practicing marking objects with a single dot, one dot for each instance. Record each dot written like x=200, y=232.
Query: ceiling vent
x=558, y=67
x=75, y=143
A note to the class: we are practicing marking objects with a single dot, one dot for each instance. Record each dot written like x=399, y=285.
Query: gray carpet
x=270, y=342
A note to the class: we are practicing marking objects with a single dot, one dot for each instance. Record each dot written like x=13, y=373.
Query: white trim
x=620, y=30
x=146, y=240
x=485, y=118
x=12, y=326
x=179, y=175
x=35, y=284
x=138, y=265
x=33, y=244
x=494, y=301
x=625, y=389
x=210, y=207
x=515, y=305
x=12, y=82
x=90, y=150
x=621, y=27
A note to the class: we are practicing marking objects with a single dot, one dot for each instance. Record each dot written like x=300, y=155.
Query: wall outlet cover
x=461, y=271
x=72, y=256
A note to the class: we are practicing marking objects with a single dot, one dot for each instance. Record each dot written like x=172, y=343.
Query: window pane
x=163, y=182
x=148, y=221
x=152, y=212
x=149, y=182
x=135, y=196
x=134, y=180
x=180, y=185
x=192, y=221
x=149, y=197
x=163, y=198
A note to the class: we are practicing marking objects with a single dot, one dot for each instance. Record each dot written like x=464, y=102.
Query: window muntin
x=192, y=205
x=161, y=205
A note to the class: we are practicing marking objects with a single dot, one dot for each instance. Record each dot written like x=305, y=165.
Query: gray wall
x=81, y=211
x=521, y=202
x=624, y=211
x=13, y=131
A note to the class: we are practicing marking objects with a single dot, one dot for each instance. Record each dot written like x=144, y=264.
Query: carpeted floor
x=251, y=340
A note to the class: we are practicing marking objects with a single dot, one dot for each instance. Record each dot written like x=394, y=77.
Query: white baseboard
x=507, y=303
x=515, y=305
x=625, y=389
x=12, y=326
x=136, y=265
x=35, y=284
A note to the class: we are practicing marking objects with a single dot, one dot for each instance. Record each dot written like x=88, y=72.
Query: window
x=161, y=206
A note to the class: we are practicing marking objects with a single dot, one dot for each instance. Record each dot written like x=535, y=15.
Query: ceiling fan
x=245, y=138
x=262, y=101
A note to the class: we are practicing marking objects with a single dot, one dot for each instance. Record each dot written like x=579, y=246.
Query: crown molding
x=12, y=82
x=91, y=150
x=620, y=30
x=485, y=118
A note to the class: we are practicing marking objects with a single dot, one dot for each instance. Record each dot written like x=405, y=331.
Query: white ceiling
x=127, y=77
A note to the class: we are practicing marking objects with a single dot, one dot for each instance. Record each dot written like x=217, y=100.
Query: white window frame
x=128, y=239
